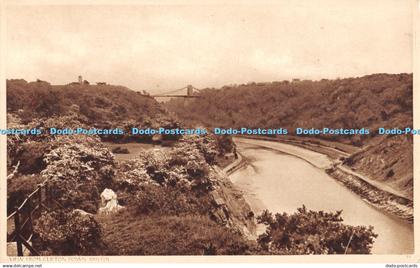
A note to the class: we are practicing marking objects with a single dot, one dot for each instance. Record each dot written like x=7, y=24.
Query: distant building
x=101, y=83
x=80, y=80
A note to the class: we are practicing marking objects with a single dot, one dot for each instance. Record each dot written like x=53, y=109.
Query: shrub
x=225, y=144
x=31, y=157
x=19, y=187
x=311, y=232
x=67, y=233
x=79, y=168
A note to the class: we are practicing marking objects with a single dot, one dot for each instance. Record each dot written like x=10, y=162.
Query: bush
x=225, y=144
x=79, y=168
x=67, y=233
x=31, y=157
x=19, y=187
x=311, y=232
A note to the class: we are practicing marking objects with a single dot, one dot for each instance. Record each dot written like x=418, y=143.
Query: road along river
x=283, y=177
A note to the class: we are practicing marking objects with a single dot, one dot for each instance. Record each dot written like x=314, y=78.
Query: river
x=282, y=182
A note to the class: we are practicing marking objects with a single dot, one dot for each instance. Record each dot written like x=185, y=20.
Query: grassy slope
x=168, y=235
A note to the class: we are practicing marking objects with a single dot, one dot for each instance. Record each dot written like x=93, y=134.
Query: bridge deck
x=176, y=96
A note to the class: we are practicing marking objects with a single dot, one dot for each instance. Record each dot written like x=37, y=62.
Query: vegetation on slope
x=174, y=185
x=313, y=232
x=372, y=101
x=388, y=160
x=99, y=104
x=379, y=100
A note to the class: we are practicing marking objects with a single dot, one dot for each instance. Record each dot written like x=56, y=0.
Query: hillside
x=373, y=101
x=177, y=184
x=98, y=103
x=388, y=160
x=369, y=101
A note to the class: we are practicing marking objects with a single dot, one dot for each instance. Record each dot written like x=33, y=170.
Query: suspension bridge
x=190, y=93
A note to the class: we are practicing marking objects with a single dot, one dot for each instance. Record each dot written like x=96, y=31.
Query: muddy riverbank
x=282, y=182
x=376, y=194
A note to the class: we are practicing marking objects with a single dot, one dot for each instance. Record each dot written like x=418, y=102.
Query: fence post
x=29, y=211
x=17, y=231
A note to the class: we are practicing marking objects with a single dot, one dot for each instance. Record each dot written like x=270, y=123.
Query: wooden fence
x=20, y=221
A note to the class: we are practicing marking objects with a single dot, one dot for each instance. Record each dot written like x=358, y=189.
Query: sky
x=158, y=47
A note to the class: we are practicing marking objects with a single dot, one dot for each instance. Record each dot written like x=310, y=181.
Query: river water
x=280, y=182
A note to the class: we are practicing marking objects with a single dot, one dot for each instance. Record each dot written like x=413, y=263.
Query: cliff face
x=231, y=207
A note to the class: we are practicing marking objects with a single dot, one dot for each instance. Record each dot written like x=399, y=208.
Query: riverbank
x=332, y=149
x=382, y=200
x=386, y=165
x=370, y=191
x=279, y=182
x=235, y=165
x=314, y=158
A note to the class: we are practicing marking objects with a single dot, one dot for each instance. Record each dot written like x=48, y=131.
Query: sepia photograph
x=196, y=128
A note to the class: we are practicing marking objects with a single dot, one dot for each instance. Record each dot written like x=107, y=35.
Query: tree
x=313, y=232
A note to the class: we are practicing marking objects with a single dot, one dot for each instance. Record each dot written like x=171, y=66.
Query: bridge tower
x=189, y=90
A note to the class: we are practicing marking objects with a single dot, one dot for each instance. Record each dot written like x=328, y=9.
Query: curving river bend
x=282, y=182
